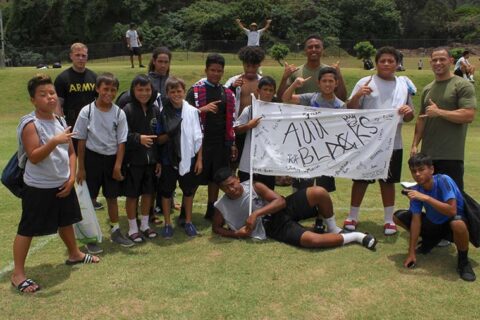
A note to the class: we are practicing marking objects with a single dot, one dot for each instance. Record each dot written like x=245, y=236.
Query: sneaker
x=466, y=272
x=97, y=205
x=350, y=225
x=118, y=238
x=141, y=66
x=423, y=248
x=190, y=229
x=93, y=248
x=319, y=227
x=389, y=229
x=369, y=242
x=443, y=243
x=157, y=210
x=167, y=231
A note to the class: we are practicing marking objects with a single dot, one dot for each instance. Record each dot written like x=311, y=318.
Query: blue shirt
x=444, y=189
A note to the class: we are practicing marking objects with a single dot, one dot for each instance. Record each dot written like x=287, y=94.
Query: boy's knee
x=317, y=193
x=458, y=225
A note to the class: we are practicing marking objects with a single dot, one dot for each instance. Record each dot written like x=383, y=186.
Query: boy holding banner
x=382, y=91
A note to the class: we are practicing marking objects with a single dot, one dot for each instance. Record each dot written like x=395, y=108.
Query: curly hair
x=251, y=55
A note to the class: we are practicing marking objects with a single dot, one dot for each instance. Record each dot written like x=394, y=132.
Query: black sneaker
x=97, y=205
x=369, y=242
x=466, y=272
x=319, y=227
x=424, y=248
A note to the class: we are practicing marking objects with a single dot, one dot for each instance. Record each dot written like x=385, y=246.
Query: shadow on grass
x=439, y=263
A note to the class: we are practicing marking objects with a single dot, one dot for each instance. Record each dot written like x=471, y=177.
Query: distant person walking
x=134, y=44
x=253, y=33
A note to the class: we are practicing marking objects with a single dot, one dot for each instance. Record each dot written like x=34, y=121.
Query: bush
x=279, y=52
x=364, y=50
x=457, y=53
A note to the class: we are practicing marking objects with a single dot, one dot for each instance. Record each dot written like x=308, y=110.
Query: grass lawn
x=215, y=278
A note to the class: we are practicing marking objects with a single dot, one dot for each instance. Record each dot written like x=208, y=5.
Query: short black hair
x=142, y=80
x=221, y=175
x=267, y=81
x=39, y=79
x=465, y=53
x=326, y=70
x=418, y=160
x=215, y=58
x=387, y=50
x=132, y=24
x=107, y=78
x=313, y=36
x=251, y=55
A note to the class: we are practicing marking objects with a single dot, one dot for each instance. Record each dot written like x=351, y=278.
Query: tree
x=364, y=50
x=279, y=52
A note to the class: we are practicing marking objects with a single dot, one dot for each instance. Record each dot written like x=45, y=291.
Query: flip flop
x=87, y=259
x=22, y=286
x=150, y=233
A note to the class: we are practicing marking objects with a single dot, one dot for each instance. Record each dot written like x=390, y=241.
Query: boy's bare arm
x=217, y=227
x=117, y=168
x=81, y=174
x=66, y=188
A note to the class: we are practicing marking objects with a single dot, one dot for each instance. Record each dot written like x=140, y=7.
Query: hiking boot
x=118, y=238
x=93, y=248
x=319, y=227
x=97, y=205
x=466, y=272
x=190, y=229
x=369, y=242
x=167, y=231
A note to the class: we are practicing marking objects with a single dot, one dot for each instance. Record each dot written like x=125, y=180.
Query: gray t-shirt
x=235, y=212
x=315, y=99
x=54, y=170
x=104, y=131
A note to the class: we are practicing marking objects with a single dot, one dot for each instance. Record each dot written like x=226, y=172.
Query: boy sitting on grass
x=49, y=203
x=443, y=217
x=101, y=129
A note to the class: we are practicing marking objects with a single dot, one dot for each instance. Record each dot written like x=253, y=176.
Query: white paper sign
x=304, y=142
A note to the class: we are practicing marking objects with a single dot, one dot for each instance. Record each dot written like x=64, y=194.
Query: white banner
x=304, y=142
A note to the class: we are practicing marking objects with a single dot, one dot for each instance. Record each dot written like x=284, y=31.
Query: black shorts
x=430, y=232
x=240, y=143
x=452, y=168
x=168, y=181
x=458, y=72
x=269, y=181
x=326, y=182
x=99, y=171
x=139, y=180
x=43, y=212
x=283, y=226
x=214, y=157
x=394, y=169
x=135, y=51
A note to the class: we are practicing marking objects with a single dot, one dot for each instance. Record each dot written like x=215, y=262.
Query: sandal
x=150, y=233
x=87, y=259
x=22, y=286
x=155, y=220
x=136, y=237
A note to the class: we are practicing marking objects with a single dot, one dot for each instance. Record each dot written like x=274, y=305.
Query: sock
x=388, y=214
x=133, y=228
x=144, y=223
x=332, y=225
x=354, y=212
x=114, y=226
x=352, y=237
x=462, y=257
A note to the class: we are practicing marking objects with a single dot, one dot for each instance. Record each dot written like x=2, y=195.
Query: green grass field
x=214, y=278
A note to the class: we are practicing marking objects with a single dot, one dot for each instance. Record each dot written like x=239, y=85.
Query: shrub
x=364, y=50
x=279, y=52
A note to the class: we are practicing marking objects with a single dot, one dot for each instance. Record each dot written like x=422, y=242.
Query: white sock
x=332, y=225
x=388, y=214
x=352, y=237
x=133, y=227
x=144, y=223
x=354, y=212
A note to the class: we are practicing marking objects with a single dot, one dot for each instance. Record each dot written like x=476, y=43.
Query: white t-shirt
x=253, y=37
x=458, y=65
x=104, y=131
x=132, y=38
x=382, y=97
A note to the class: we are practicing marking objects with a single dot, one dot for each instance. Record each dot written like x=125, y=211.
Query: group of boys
x=224, y=114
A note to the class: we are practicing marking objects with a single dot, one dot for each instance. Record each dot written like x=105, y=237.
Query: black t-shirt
x=215, y=126
x=77, y=90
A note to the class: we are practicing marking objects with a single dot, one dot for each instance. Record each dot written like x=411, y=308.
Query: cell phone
x=405, y=192
x=411, y=265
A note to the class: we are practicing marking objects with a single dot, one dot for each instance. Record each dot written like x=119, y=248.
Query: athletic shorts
x=168, y=181
x=430, y=232
x=452, y=168
x=43, y=212
x=214, y=157
x=269, y=181
x=134, y=51
x=139, y=180
x=99, y=171
x=284, y=226
x=326, y=182
x=394, y=169
x=458, y=72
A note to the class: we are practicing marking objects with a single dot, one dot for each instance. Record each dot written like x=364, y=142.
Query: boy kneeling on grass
x=278, y=217
x=443, y=217
x=49, y=203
